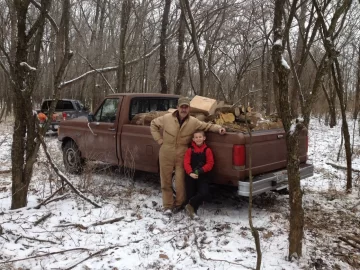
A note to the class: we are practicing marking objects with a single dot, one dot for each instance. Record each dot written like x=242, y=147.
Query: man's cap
x=183, y=101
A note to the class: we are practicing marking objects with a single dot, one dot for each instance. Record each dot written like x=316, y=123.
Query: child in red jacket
x=198, y=162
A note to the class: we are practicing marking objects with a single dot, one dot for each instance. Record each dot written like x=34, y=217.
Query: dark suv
x=65, y=109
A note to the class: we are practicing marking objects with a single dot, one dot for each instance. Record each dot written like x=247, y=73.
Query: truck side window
x=107, y=111
x=67, y=105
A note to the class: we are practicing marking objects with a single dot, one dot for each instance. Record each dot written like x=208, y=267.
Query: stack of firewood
x=233, y=118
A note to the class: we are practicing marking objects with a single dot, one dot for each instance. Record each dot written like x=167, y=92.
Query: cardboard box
x=200, y=104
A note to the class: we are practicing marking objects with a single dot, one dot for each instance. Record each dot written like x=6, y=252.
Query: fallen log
x=98, y=223
x=44, y=255
x=336, y=166
x=347, y=241
x=42, y=219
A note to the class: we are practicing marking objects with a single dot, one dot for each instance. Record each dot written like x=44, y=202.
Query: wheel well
x=65, y=141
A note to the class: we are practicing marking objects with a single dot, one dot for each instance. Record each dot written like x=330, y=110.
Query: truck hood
x=74, y=121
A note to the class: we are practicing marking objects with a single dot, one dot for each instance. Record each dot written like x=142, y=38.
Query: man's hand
x=194, y=175
x=222, y=131
x=160, y=141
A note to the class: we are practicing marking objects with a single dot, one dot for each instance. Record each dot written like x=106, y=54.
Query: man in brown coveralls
x=178, y=128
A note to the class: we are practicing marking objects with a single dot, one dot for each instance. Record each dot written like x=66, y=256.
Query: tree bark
x=164, y=26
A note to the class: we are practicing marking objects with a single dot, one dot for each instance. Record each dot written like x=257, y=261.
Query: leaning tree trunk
x=281, y=75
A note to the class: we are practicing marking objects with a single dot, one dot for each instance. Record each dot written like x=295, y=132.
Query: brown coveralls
x=175, y=143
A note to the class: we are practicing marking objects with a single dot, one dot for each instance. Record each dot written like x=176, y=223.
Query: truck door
x=101, y=135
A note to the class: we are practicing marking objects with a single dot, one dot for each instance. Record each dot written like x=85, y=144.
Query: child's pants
x=197, y=191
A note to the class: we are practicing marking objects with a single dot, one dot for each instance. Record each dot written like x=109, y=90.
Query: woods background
x=219, y=49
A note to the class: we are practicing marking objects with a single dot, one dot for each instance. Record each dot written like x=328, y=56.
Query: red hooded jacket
x=209, y=158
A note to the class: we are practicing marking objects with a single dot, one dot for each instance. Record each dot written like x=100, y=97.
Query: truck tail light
x=64, y=116
x=239, y=155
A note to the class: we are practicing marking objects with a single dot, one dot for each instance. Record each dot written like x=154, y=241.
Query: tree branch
x=62, y=176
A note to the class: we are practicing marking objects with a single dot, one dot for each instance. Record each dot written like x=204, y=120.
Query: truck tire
x=72, y=158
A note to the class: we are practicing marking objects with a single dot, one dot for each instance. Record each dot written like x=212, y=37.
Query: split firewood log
x=273, y=117
x=275, y=125
x=242, y=119
x=245, y=109
x=220, y=104
x=211, y=118
x=262, y=125
x=200, y=116
x=236, y=127
x=228, y=109
x=225, y=118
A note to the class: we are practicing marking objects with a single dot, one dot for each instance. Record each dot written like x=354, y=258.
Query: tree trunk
x=164, y=26
x=296, y=78
x=181, y=61
x=21, y=136
x=292, y=137
x=25, y=146
x=194, y=40
x=357, y=93
x=339, y=87
x=125, y=16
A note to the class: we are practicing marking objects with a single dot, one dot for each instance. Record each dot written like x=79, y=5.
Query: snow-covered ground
x=140, y=237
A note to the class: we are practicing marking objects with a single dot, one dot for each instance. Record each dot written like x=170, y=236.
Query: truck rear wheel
x=72, y=158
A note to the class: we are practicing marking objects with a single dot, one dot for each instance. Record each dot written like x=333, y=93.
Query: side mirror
x=90, y=118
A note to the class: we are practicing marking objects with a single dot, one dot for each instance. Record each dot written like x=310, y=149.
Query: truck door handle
x=280, y=136
x=112, y=129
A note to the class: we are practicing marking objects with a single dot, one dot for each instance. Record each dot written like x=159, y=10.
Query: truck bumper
x=272, y=181
x=52, y=126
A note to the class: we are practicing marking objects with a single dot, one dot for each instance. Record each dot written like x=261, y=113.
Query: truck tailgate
x=268, y=154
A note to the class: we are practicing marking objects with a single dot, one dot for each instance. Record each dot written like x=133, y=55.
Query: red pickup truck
x=108, y=136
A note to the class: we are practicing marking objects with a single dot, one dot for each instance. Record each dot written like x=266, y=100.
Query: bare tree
x=329, y=34
x=23, y=70
x=292, y=129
